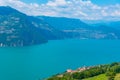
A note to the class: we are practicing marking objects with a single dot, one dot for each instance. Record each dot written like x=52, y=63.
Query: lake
x=40, y=61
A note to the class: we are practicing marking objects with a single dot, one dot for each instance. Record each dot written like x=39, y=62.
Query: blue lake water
x=38, y=62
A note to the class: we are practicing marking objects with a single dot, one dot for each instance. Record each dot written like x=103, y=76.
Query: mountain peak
x=7, y=10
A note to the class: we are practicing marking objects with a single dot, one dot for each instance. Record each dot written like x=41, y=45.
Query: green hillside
x=99, y=77
x=103, y=77
x=100, y=72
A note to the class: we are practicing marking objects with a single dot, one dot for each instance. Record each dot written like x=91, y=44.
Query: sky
x=98, y=2
x=80, y=9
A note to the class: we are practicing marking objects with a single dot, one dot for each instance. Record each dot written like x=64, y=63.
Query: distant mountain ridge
x=76, y=28
x=63, y=23
x=18, y=29
x=110, y=23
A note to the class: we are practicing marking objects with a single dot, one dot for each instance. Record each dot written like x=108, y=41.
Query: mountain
x=18, y=29
x=113, y=24
x=75, y=28
x=63, y=23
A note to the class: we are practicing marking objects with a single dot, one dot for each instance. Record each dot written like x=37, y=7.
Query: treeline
x=110, y=70
x=113, y=69
x=91, y=72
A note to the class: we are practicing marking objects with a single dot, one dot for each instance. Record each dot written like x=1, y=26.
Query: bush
x=111, y=78
x=110, y=73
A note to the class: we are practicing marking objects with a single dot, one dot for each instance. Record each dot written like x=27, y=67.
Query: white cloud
x=56, y=3
x=82, y=9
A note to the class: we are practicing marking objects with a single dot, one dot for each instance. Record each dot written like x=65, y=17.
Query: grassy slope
x=117, y=77
x=99, y=77
x=102, y=77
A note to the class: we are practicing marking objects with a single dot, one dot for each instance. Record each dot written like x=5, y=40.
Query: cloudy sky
x=81, y=9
